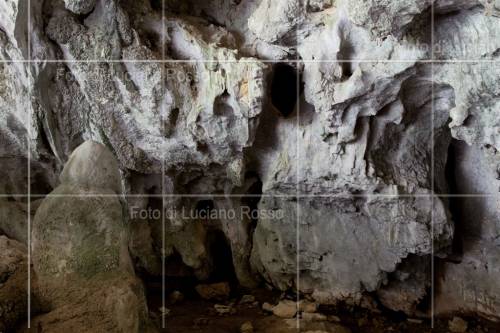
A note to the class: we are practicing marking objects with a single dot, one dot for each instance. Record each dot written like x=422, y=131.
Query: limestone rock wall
x=368, y=124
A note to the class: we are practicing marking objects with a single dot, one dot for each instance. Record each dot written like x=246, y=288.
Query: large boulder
x=103, y=304
x=92, y=165
x=80, y=250
x=78, y=234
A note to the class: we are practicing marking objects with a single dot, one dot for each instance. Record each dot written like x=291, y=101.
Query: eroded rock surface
x=13, y=287
x=327, y=113
x=80, y=250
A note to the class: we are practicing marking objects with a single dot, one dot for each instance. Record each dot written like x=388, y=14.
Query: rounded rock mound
x=92, y=165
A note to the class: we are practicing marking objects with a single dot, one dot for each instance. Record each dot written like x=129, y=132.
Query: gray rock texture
x=80, y=6
x=365, y=133
x=13, y=288
x=80, y=249
x=92, y=165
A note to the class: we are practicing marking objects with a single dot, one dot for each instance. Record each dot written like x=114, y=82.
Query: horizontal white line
x=339, y=195
x=243, y=61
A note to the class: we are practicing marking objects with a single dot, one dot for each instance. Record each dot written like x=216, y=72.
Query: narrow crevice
x=41, y=182
x=453, y=202
x=174, y=117
x=252, y=202
x=171, y=122
x=346, y=56
x=222, y=259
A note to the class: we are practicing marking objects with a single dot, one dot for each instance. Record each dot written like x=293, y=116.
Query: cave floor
x=198, y=315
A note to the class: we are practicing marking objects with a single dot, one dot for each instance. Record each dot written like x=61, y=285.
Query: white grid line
x=163, y=227
x=30, y=115
x=297, y=231
x=433, y=161
x=246, y=60
x=267, y=195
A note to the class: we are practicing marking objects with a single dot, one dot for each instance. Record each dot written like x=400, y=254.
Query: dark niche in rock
x=222, y=259
x=284, y=89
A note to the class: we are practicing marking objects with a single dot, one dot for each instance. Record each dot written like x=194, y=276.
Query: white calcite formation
x=329, y=112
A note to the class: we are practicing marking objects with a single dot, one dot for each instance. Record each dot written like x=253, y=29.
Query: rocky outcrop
x=14, y=220
x=80, y=6
x=13, y=287
x=468, y=282
x=111, y=304
x=326, y=117
x=475, y=177
x=80, y=250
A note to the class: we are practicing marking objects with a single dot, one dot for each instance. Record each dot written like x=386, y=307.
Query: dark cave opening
x=218, y=246
x=173, y=117
x=204, y=207
x=222, y=258
x=178, y=277
x=453, y=202
x=284, y=90
x=157, y=4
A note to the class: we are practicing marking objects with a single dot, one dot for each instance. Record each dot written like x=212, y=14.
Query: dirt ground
x=197, y=315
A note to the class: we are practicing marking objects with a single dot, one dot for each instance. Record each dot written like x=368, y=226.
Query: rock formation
x=80, y=250
x=13, y=287
x=365, y=133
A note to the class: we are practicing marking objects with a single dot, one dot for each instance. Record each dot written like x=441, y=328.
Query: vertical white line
x=297, y=232
x=30, y=115
x=162, y=111
x=432, y=163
